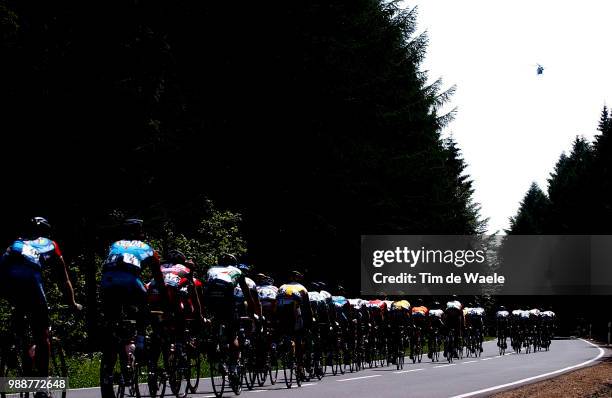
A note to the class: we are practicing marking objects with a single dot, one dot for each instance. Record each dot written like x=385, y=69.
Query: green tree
x=531, y=216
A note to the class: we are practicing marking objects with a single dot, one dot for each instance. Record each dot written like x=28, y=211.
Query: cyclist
x=267, y=292
x=419, y=315
x=474, y=320
x=548, y=326
x=435, y=325
x=534, y=327
x=295, y=314
x=454, y=322
x=241, y=303
x=399, y=318
x=22, y=285
x=502, y=318
x=183, y=298
x=180, y=286
x=121, y=285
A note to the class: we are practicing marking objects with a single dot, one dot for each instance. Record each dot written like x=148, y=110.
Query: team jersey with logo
x=548, y=314
x=175, y=275
x=454, y=305
x=476, y=311
x=238, y=290
x=229, y=274
x=422, y=310
x=316, y=297
x=35, y=253
x=502, y=314
x=401, y=305
x=376, y=304
x=436, y=313
x=339, y=301
x=267, y=292
x=294, y=290
x=326, y=296
x=128, y=255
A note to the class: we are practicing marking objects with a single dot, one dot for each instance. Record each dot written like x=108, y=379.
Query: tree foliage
x=308, y=124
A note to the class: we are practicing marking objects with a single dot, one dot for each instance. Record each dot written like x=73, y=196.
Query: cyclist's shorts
x=126, y=287
x=268, y=308
x=219, y=300
x=474, y=320
x=22, y=286
x=453, y=318
x=289, y=315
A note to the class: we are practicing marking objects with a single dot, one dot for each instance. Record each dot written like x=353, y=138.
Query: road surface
x=469, y=377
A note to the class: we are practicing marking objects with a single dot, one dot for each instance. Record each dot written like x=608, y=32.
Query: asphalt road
x=469, y=377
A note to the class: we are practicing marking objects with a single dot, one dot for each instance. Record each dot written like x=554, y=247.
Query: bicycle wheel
x=247, y=359
x=273, y=371
x=57, y=365
x=288, y=363
x=235, y=379
x=151, y=380
x=263, y=370
x=194, y=368
x=218, y=374
x=175, y=369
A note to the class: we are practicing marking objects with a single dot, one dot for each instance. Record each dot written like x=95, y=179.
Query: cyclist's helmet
x=176, y=257
x=227, y=259
x=419, y=302
x=502, y=308
x=132, y=228
x=435, y=305
x=296, y=276
x=37, y=227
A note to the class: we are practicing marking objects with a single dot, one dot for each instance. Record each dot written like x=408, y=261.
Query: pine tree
x=532, y=213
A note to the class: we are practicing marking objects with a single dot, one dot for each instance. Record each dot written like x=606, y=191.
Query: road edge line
x=500, y=386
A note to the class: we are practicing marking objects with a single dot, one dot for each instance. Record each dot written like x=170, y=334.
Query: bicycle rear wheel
x=194, y=369
x=288, y=364
x=218, y=375
x=57, y=365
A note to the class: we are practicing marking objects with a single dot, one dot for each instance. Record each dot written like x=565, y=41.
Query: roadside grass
x=83, y=370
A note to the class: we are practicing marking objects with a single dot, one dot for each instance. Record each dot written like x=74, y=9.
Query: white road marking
x=358, y=378
x=485, y=359
x=443, y=366
x=470, y=361
x=469, y=394
x=406, y=371
x=309, y=384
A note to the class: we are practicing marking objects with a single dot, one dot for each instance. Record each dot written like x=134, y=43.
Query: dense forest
x=279, y=130
x=579, y=195
x=578, y=201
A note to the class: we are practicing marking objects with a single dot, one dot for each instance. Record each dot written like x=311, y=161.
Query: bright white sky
x=511, y=124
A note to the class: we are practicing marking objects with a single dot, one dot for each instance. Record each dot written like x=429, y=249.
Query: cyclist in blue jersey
x=21, y=283
x=122, y=288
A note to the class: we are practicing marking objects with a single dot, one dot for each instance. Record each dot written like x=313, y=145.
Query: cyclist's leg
x=40, y=334
x=111, y=307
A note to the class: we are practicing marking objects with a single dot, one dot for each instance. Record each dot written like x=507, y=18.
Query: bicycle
x=289, y=361
x=123, y=335
x=434, y=345
x=14, y=363
x=224, y=369
x=416, y=352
